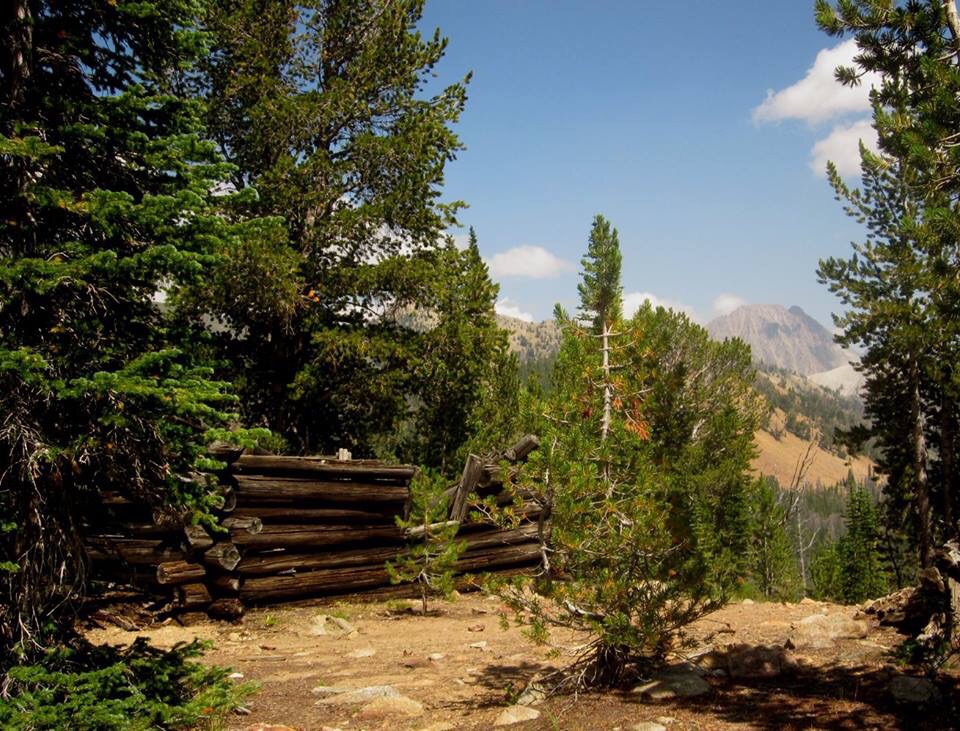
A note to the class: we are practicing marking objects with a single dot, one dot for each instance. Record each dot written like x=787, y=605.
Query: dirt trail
x=464, y=668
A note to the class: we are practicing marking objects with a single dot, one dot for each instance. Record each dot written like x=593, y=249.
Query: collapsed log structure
x=296, y=527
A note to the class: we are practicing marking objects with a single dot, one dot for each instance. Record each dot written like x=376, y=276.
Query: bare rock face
x=823, y=630
x=787, y=338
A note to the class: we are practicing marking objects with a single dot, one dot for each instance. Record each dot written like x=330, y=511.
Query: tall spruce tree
x=105, y=182
x=902, y=286
x=323, y=107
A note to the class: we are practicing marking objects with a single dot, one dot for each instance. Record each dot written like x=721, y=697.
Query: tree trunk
x=921, y=487
x=948, y=463
x=297, y=490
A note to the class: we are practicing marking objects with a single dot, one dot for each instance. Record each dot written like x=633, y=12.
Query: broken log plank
x=522, y=449
x=222, y=555
x=245, y=524
x=253, y=489
x=193, y=595
x=296, y=514
x=419, y=531
x=179, y=572
x=135, y=551
x=290, y=536
x=197, y=537
x=472, y=471
x=225, y=583
x=318, y=466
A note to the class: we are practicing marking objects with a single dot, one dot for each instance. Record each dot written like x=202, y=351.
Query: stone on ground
x=516, y=714
x=823, y=630
x=648, y=726
x=746, y=661
x=915, y=691
x=673, y=683
x=345, y=696
x=392, y=706
x=361, y=652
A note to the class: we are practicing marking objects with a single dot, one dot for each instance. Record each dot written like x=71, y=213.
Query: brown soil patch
x=841, y=687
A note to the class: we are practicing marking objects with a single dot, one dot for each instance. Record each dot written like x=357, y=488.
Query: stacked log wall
x=296, y=527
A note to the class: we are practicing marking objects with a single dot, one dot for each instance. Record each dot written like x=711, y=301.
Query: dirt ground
x=465, y=669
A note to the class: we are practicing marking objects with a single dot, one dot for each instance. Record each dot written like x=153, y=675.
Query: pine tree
x=647, y=528
x=901, y=287
x=322, y=106
x=773, y=561
x=105, y=183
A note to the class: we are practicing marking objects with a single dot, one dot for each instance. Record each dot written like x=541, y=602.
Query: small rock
x=648, y=726
x=807, y=601
x=242, y=711
x=235, y=676
x=361, y=652
x=516, y=714
x=475, y=628
x=435, y=656
x=666, y=720
x=745, y=661
x=393, y=706
x=343, y=625
x=673, y=684
x=482, y=645
x=747, y=602
x=357, y=695
x=532, y=695
x=914, y=691
x=822, y=631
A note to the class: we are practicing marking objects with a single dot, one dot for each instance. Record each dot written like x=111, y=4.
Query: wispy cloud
x=632, y=301
x=508, y=308
x=724, y=304
x=532, y=262
x=818, y=96
x=842, y=146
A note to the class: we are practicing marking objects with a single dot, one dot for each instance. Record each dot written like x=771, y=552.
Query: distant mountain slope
x=845, y=379
x=786, y=338
x=531, y=341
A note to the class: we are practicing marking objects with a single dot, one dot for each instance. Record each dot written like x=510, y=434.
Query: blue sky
x=657, y=115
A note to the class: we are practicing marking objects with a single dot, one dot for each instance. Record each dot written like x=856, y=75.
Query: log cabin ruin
x=299, y=527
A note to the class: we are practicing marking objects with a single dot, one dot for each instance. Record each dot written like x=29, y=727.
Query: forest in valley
x=224, y=222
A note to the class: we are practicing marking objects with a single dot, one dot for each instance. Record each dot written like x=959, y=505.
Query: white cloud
x=506, y=307
x=533, y=262
x=726, y=303
x=842, y=146
x=818, y=96
x=633, y=300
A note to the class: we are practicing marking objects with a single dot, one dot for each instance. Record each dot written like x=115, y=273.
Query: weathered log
x=197, y=537
x=327, y=581
x=229, y=609
x=468, y=483
x=252, y=489
x=223, y=555
x=228, y=497
x=193, y=595
x=295, y=514
x=225, y=583
x=179, y=572
x=134, y=551
x=290, y=536
x=244, y=524
x=522, y=449
x=275, y=563
x=319, y=466
x=947, y=560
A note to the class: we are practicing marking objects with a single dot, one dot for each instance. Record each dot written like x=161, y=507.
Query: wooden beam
x=319, y=466
x=254, y=489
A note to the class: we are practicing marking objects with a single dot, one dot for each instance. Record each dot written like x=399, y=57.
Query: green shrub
x=102, y=688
